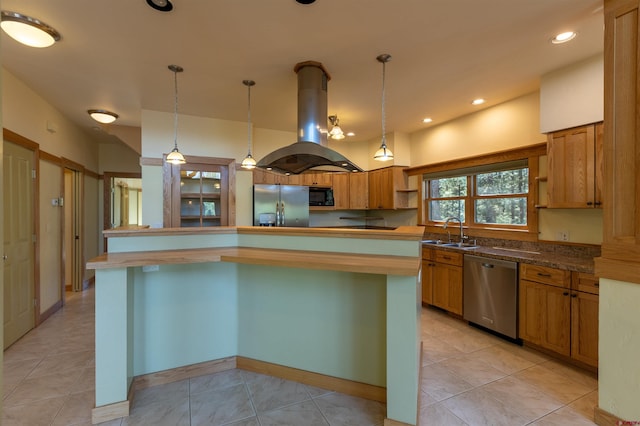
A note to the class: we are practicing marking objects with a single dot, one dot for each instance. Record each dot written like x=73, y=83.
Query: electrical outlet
x=150, y=268
x=562, y=236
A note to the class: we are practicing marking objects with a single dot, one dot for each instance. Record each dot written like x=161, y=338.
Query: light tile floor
x=469, y=377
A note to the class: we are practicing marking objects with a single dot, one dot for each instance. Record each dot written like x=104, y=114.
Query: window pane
x=440, y=210
x=449, y=187
x=503, y=182
x=506, y=211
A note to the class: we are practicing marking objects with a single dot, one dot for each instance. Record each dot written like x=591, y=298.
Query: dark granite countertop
x=555, y=256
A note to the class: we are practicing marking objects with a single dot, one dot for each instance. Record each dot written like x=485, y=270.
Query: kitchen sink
x=464, y=246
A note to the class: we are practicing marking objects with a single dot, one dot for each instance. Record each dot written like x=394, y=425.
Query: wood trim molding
x=150, y=161
x=616, y=269
x=181, y=373
x=604, y=418
x=389, y=422
x=490, y=158
x=45, y=156
x=19, y=140
x=348, y=387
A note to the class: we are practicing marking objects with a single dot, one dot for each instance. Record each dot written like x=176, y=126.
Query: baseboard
x=88, y=282
x=604, y=418
x=182, y=373
x=348, y=387
x=106, y=413
x=46, y=314
x=389, y=422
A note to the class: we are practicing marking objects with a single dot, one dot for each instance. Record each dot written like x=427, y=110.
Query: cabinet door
x=447, y=287
x=197, y=194
x=571, y=180
x=584, y=327
x=341, y=190
x=557, y=320
x=530, y=304
x=317, y=179
x=359, y=191
x=381, y=189
x=427, y=282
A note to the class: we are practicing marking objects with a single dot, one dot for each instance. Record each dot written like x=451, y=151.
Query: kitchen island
x=337, y=308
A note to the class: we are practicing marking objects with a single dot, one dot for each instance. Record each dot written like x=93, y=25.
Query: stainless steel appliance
x=280, y=205
x=320, y=196
x=491, y=294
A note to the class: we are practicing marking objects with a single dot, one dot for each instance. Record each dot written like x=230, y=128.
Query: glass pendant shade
x=28, y=31
x=249, y=162
x=175, y=157
x=335, y=132
x=383, y=153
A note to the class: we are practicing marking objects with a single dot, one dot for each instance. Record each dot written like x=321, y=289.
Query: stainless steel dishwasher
x=491, y=294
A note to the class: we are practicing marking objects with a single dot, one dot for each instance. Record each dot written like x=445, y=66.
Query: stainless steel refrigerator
x=280, y=205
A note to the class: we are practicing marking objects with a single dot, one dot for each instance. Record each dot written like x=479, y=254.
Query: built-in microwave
x=320, y=196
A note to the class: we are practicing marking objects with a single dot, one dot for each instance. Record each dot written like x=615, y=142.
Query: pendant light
x=175, y=157
x=335, y=132
x=249, y=162
x=383, y=153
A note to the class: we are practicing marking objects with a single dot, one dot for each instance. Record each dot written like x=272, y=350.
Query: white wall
x=50, y=235
x=573, y=95
x=508, y=125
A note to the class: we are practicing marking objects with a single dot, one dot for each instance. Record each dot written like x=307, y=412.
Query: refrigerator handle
x=282, y=213
x=277, y=214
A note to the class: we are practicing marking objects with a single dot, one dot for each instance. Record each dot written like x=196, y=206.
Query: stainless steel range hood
x=311, y=148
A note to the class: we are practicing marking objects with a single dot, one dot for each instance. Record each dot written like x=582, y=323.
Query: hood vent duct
x=311, y=148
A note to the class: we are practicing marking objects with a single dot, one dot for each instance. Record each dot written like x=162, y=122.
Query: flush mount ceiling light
x=564, y=37
x=175, y=157
x=161, y=5
x=249, y=162
x=27, y=30
x=305, y=1
x=102, y=115
x=427, y=120
x=383, y=153
x=335, y=132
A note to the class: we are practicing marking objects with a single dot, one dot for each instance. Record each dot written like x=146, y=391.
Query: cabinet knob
x=574, y=295
x=589, y=203
x=566, y=293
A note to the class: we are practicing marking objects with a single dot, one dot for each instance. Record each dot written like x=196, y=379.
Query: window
x=494, y=195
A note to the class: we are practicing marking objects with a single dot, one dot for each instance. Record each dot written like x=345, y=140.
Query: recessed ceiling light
x=564, y=37
x=478, y=101
x=161, y=5
x=27, y=30
x=350, y=134
x=427, y=120
x=102, y=115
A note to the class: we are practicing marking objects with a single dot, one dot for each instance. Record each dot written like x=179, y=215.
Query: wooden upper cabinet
x=387, y=188
x=341, y=190
x=261, y=176
x=359, y=191
x=574, y=167
x=621, y=191
x=321, y=179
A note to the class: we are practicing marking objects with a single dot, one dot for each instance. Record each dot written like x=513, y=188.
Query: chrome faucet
x=449, y=219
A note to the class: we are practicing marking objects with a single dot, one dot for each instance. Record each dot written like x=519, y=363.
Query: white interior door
x=19, y=242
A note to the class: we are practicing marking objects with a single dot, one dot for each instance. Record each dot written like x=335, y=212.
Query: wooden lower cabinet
x=584, y=327
x=556, y=316
x=445, y=279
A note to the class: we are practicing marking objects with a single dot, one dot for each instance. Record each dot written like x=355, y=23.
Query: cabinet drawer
x=427, y=253
x=544, y=274
x=587, y=283
x=448, y=257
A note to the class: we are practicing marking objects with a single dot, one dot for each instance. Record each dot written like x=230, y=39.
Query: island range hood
x=311, y=148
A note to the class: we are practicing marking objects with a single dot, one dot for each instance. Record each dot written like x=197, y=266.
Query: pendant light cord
x=249, y=117
x=384, y=132
x=175, y=110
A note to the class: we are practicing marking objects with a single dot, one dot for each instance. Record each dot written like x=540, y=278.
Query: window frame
x=532, y=153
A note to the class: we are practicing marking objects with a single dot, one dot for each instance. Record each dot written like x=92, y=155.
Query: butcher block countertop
x=309, y=259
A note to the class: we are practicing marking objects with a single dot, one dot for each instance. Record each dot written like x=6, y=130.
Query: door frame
x=78, y=260
x=107, y=177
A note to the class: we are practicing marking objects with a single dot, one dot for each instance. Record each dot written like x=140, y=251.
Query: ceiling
x=114, y=55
